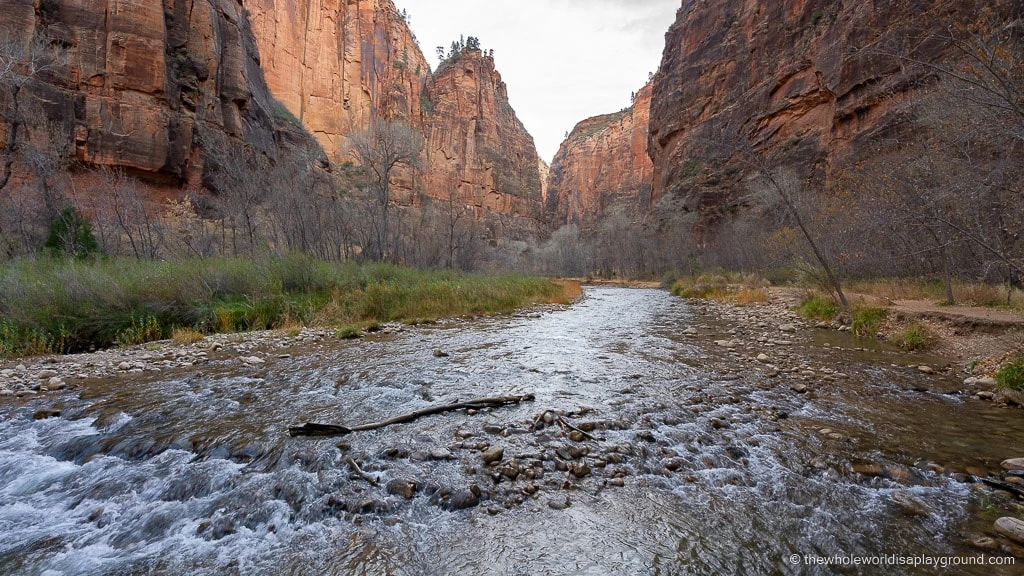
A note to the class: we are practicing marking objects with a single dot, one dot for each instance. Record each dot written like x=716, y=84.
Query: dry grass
x=186, y=336
x=723, y=287
x=965, y=293
x=572, y=290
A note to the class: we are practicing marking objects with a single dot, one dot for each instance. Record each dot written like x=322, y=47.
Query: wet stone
x=1012, y=528
x=44, y=414
x=493, y=454
x=402, y=487
x=559, y=503
x=1013, y=464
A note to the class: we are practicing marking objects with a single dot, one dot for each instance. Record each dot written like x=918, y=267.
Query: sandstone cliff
x=335, y=64
x=477, y=149
x=147, y=86
x=811, y=82
x=603, y=163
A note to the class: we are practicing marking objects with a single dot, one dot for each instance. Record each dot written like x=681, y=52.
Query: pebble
x=762, y=358
x=926, y=369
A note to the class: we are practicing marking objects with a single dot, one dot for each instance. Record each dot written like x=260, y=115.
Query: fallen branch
x=563, y=423
x=359, y=471
x=313, y=429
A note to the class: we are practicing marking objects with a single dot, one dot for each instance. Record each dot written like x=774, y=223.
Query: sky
x=563, y=60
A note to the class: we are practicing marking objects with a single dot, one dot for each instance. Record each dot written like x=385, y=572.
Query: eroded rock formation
x=477, y=149
x=811, y=82
x=603, y=163
x=144, y=86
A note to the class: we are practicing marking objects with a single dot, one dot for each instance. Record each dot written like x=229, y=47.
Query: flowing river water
x=698, y=463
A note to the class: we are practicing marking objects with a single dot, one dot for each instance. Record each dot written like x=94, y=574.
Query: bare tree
x=20, y=64
x=382, y=148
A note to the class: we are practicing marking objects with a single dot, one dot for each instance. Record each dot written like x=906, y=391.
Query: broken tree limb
x=563, y=423
x=313, y=429
x=359, y=471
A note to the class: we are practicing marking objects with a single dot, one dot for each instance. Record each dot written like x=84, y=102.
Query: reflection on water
x=193, y=472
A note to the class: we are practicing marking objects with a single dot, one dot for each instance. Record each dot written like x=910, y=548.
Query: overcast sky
x=563, y=60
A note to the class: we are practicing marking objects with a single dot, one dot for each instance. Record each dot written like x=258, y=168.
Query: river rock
x=690, y=332
x=56, y=383
x=463, y=499
x=124, y=366
x=46, y=374
x=787, y=328
x=44, y=414
x=493, y=454
x=579, y=469
x=910, y=504
x=762, y=358
x=251, y=360
x=986, y=395
x=986, y=383
x=440, y=354
x=869, y=469
x=1012, y=528
x=402, y=487
x=1013, y=464
x=926, y=370
x=559, y=503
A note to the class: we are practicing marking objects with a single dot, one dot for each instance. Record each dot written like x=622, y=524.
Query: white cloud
x=563, y=60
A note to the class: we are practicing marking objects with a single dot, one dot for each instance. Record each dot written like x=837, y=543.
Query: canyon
x=155, y=89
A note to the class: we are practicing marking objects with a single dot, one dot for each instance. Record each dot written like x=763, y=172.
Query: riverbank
x=59, y=306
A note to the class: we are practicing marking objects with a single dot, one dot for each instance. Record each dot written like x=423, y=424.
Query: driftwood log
x=313, y=429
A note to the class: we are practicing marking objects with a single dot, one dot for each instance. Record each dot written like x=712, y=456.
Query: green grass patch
x=818, y=308
x=914, y=338
x=1011, y=375
x=52, y=306
x=866, y=321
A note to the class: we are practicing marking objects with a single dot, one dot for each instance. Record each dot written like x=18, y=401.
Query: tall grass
x=818, y=308
x=50, y=305
x=866, y=321
x=966, y=293
x=1011, y=375
x=723, y=287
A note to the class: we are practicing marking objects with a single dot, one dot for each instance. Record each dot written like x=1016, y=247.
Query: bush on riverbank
x=866, y=321
x=818, y=308
x=52, y=305
x=1011, y=376
x=914, y=337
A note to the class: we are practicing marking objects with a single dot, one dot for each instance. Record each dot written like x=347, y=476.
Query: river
x=698, y=463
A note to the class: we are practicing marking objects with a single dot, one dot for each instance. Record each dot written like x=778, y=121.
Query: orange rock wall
x=148, y=84
x=812, y=82
x=603, y=162
x=476, y=145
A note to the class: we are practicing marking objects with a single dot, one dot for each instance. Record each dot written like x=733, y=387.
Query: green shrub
x=866, y=321
x=818, y=308
x=914, y=338
x=1011, y=375
x=71, y=235
x=348, y=333
x=141, y=330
